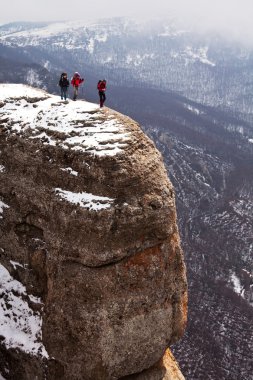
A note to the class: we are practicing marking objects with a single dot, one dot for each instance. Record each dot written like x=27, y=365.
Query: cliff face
x=92, y=275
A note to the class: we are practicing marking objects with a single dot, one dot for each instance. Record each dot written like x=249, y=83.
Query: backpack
x=101, y=85
x=63, y=81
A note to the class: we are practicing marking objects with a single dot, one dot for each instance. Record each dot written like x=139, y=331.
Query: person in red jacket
x=101, y=86
x=76, y=81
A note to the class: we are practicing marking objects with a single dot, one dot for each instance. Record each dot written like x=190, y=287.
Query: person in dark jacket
x=101, y=86
x=64, y=84
x=76, y=81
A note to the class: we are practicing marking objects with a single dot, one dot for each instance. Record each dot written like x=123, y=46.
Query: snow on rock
x=15, y=91
x=70, y=171
x=86, y=200
x=15, y=264
x=2, y=168
x=92, y=241
x=20, y=326
x=2, y=206
x=236, y=284
x=79, y=125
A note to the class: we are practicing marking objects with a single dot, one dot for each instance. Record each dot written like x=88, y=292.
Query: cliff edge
x=92, y=277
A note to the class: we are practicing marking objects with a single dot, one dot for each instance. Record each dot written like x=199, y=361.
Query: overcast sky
x=232, y=16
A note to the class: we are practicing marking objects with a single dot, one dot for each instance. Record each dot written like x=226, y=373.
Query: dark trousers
x=102, y=97
x=64, y=91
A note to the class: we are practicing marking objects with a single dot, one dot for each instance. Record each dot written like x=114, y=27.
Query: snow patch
x=15, y=264
x=2, y=206
x=236, y=284
x=47, y=65
x=91, y=42
x=15, y=91
x=169, y=32
x=199, y=54
x=2, y=168
x=137, y=59
x=50, y=30
x=79, y=126
x=193, y=109
x=19, y=324
x=109, y=59
x=90, y=46
x=33, y=79
x=86, y=200
x=70, y=171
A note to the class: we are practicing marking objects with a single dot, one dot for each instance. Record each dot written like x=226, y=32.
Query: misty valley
x=192, y=95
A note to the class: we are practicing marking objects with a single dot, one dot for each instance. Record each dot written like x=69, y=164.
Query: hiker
x=64, y=84
x=101, y=86
x=76, y=81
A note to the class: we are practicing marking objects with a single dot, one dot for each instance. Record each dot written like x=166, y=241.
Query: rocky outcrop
x=165, y=369
x=92, y=275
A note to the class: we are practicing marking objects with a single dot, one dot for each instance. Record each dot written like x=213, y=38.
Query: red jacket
x=76, y=81
x=101, y=86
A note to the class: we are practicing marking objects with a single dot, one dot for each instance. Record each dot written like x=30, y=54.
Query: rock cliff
x=92, y=278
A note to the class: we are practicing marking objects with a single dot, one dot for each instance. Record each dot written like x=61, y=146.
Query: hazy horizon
x=230, y=17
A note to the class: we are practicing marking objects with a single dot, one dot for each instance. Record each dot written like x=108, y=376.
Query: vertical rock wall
x=90, y=233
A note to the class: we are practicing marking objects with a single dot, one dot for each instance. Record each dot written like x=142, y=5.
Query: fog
x=232, y=17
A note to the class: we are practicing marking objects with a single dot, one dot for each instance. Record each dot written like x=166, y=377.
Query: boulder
x=89, y=242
